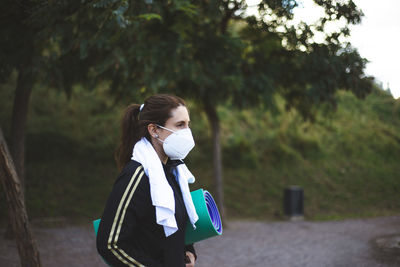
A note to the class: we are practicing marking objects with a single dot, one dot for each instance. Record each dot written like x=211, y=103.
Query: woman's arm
x=190, y=254
x=190, y=248
x=119, y=221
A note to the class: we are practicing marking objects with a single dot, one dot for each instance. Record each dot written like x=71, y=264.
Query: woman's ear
x=152, y=129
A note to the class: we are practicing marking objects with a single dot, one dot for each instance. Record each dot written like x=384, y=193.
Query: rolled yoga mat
x=209, y=223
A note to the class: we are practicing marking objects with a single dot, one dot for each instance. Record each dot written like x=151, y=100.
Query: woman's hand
x=191, y=257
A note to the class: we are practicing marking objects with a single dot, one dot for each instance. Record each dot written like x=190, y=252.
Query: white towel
x=161, y=192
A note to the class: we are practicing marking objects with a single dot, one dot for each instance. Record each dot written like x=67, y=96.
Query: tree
x=211, y=52
x=27, y=30
x=18, y=48
x=27, y=249
x=208, y=50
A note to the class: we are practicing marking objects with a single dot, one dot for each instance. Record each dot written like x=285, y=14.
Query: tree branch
x=228, y=15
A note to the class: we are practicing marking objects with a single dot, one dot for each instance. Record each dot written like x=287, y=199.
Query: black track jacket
x=128, y=234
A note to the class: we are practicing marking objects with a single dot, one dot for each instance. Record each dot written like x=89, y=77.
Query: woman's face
x=179, y=120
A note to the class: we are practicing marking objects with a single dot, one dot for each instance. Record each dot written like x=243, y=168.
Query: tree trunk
x=27, y=250
x=217, y=156
x=19, y=118
x=18, y=125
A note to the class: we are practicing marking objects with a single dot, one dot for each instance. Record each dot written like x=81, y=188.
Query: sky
x=377, y=38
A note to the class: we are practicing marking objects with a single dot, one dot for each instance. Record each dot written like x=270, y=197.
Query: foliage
x=346, y=162
x=208, y=51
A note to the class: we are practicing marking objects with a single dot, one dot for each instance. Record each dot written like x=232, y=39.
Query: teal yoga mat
x=96, y=224
x=209, y=223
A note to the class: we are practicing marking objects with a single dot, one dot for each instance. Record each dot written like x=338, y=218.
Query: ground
x=358, y=242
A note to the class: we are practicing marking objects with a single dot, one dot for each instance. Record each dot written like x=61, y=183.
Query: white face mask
x=178, y=144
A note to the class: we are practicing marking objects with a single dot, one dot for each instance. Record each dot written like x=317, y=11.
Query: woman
x=146, y=214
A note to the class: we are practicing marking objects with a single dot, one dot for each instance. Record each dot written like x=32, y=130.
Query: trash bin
x=293, y=202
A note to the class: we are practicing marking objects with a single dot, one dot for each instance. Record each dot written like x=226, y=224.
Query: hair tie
x=141, y=107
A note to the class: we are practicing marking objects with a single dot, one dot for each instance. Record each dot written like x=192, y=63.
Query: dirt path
x=368, y=242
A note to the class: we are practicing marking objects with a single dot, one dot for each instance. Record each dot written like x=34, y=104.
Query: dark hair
x=156, y=109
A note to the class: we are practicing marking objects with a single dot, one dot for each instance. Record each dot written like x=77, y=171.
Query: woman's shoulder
x=131, y=166
x=131, y=169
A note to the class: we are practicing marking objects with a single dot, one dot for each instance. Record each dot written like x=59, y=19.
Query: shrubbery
x=347, y=161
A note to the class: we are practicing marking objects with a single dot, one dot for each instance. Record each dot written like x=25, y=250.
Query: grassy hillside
x=348, y=162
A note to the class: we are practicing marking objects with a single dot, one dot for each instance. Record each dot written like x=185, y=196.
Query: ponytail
x=129, y=135
x=156, y=109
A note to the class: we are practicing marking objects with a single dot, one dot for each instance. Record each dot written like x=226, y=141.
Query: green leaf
x=150, y=16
